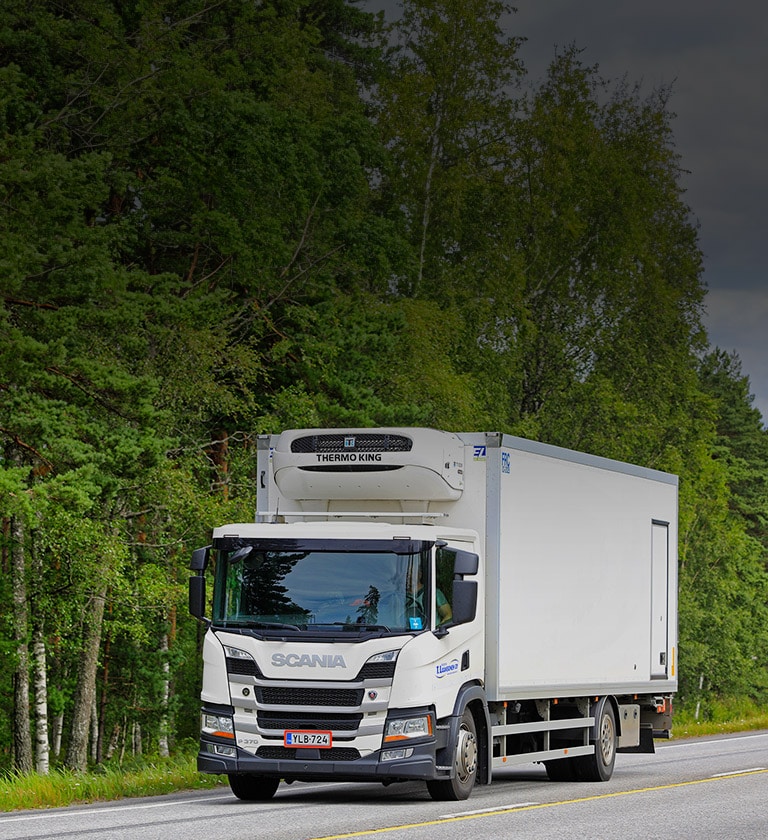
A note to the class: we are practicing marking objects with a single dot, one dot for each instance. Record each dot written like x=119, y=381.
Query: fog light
x=393, y=755
x=222, y=749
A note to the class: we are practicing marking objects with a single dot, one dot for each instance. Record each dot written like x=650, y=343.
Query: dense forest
x=224, y=217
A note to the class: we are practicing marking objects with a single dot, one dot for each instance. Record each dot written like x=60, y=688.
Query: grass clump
x=21, y=791
x=719, y=715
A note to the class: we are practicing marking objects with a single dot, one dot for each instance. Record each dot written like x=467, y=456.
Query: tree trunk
x=219, y=455
x=42, y=757
x=136, y=739
x=39, y=664
x=22, y=737
x=114, y=741
x=85, y=691
x=162, y=745
x=56, y=732
x=94, y=731
x=426, y=209
x=103, y=703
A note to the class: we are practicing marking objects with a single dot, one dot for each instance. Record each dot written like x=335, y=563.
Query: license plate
x=308, y=738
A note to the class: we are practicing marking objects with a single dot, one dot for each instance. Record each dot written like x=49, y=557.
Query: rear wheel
x=599, y=766
x=252, y=788
x=465, y=765
x=561, y=770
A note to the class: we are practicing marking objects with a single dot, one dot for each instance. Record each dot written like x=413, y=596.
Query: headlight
x=236, y=653
x=401, y=729
x=387, y=656
x=220, y=725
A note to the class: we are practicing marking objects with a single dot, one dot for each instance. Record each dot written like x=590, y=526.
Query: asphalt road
x=703, y=789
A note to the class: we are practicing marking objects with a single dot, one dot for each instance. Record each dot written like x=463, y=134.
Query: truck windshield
x=322, y=589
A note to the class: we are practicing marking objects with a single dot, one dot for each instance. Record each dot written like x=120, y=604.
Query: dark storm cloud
x=714, y=57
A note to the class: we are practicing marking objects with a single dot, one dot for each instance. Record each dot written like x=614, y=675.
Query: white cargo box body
x=579, y=551
x=581, y=574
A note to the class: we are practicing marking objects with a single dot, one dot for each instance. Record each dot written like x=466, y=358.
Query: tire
x=465, y=756
x=599, y=766
x=252, y=788
x=561, y=770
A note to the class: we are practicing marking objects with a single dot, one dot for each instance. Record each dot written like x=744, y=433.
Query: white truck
x=416, y=604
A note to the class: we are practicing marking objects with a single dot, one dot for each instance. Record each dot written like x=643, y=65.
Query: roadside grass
x=719, y=716
x=153, y=776
x=150, y=777
x=698, y=729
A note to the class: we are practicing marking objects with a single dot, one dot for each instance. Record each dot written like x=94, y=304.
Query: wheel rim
x=607, y=739
x=466, y=754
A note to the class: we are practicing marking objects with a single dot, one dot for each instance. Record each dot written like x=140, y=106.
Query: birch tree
x=40, y=672
x=444, y=108
x=22, y=735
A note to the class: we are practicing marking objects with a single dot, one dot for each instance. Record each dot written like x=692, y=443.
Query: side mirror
x=465, y=562
x=197, y=596
x=199, y=561
x=464, y=601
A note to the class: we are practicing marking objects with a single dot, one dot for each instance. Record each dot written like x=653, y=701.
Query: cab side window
x=443, y=586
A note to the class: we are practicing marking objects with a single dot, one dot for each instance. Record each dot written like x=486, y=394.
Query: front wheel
x=252, y=788
x=465, y=765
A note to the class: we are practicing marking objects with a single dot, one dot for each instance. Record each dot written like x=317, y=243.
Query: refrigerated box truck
x=412, y=604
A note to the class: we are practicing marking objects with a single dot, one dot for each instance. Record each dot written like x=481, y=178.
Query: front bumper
x=309, y=765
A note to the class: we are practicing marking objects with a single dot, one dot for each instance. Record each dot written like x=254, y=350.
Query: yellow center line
x=518, y=808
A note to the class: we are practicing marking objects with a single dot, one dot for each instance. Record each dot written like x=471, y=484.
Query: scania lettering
x=418, y=605
x=295, y=660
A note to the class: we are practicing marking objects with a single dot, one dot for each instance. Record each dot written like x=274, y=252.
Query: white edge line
x=703, y=741
x=737, y=772
x=487, y=810
x=84, y=809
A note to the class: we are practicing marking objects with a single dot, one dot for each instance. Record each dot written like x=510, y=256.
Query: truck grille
x=351, y=443
x=308, y=720
x=369, y=671
x=377, y=671
x=277, y=696
x=333, y=754
x=244, y=667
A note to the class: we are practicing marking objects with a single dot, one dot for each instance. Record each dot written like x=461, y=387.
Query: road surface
x=703, y=789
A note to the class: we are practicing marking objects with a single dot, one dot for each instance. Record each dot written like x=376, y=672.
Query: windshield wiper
x=349, y=627
x=272, y=625
x=262, y=625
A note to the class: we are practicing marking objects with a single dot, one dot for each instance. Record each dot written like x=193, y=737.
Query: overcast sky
x=715, y=56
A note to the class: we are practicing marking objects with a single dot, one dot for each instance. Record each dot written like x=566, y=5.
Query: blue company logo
x=506, y=462
x=445, y=668
x=479, y=453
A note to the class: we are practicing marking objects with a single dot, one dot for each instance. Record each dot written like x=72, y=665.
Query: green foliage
x=742, y=440
x=226, y=219
x=724, y=580
x=443, y=111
